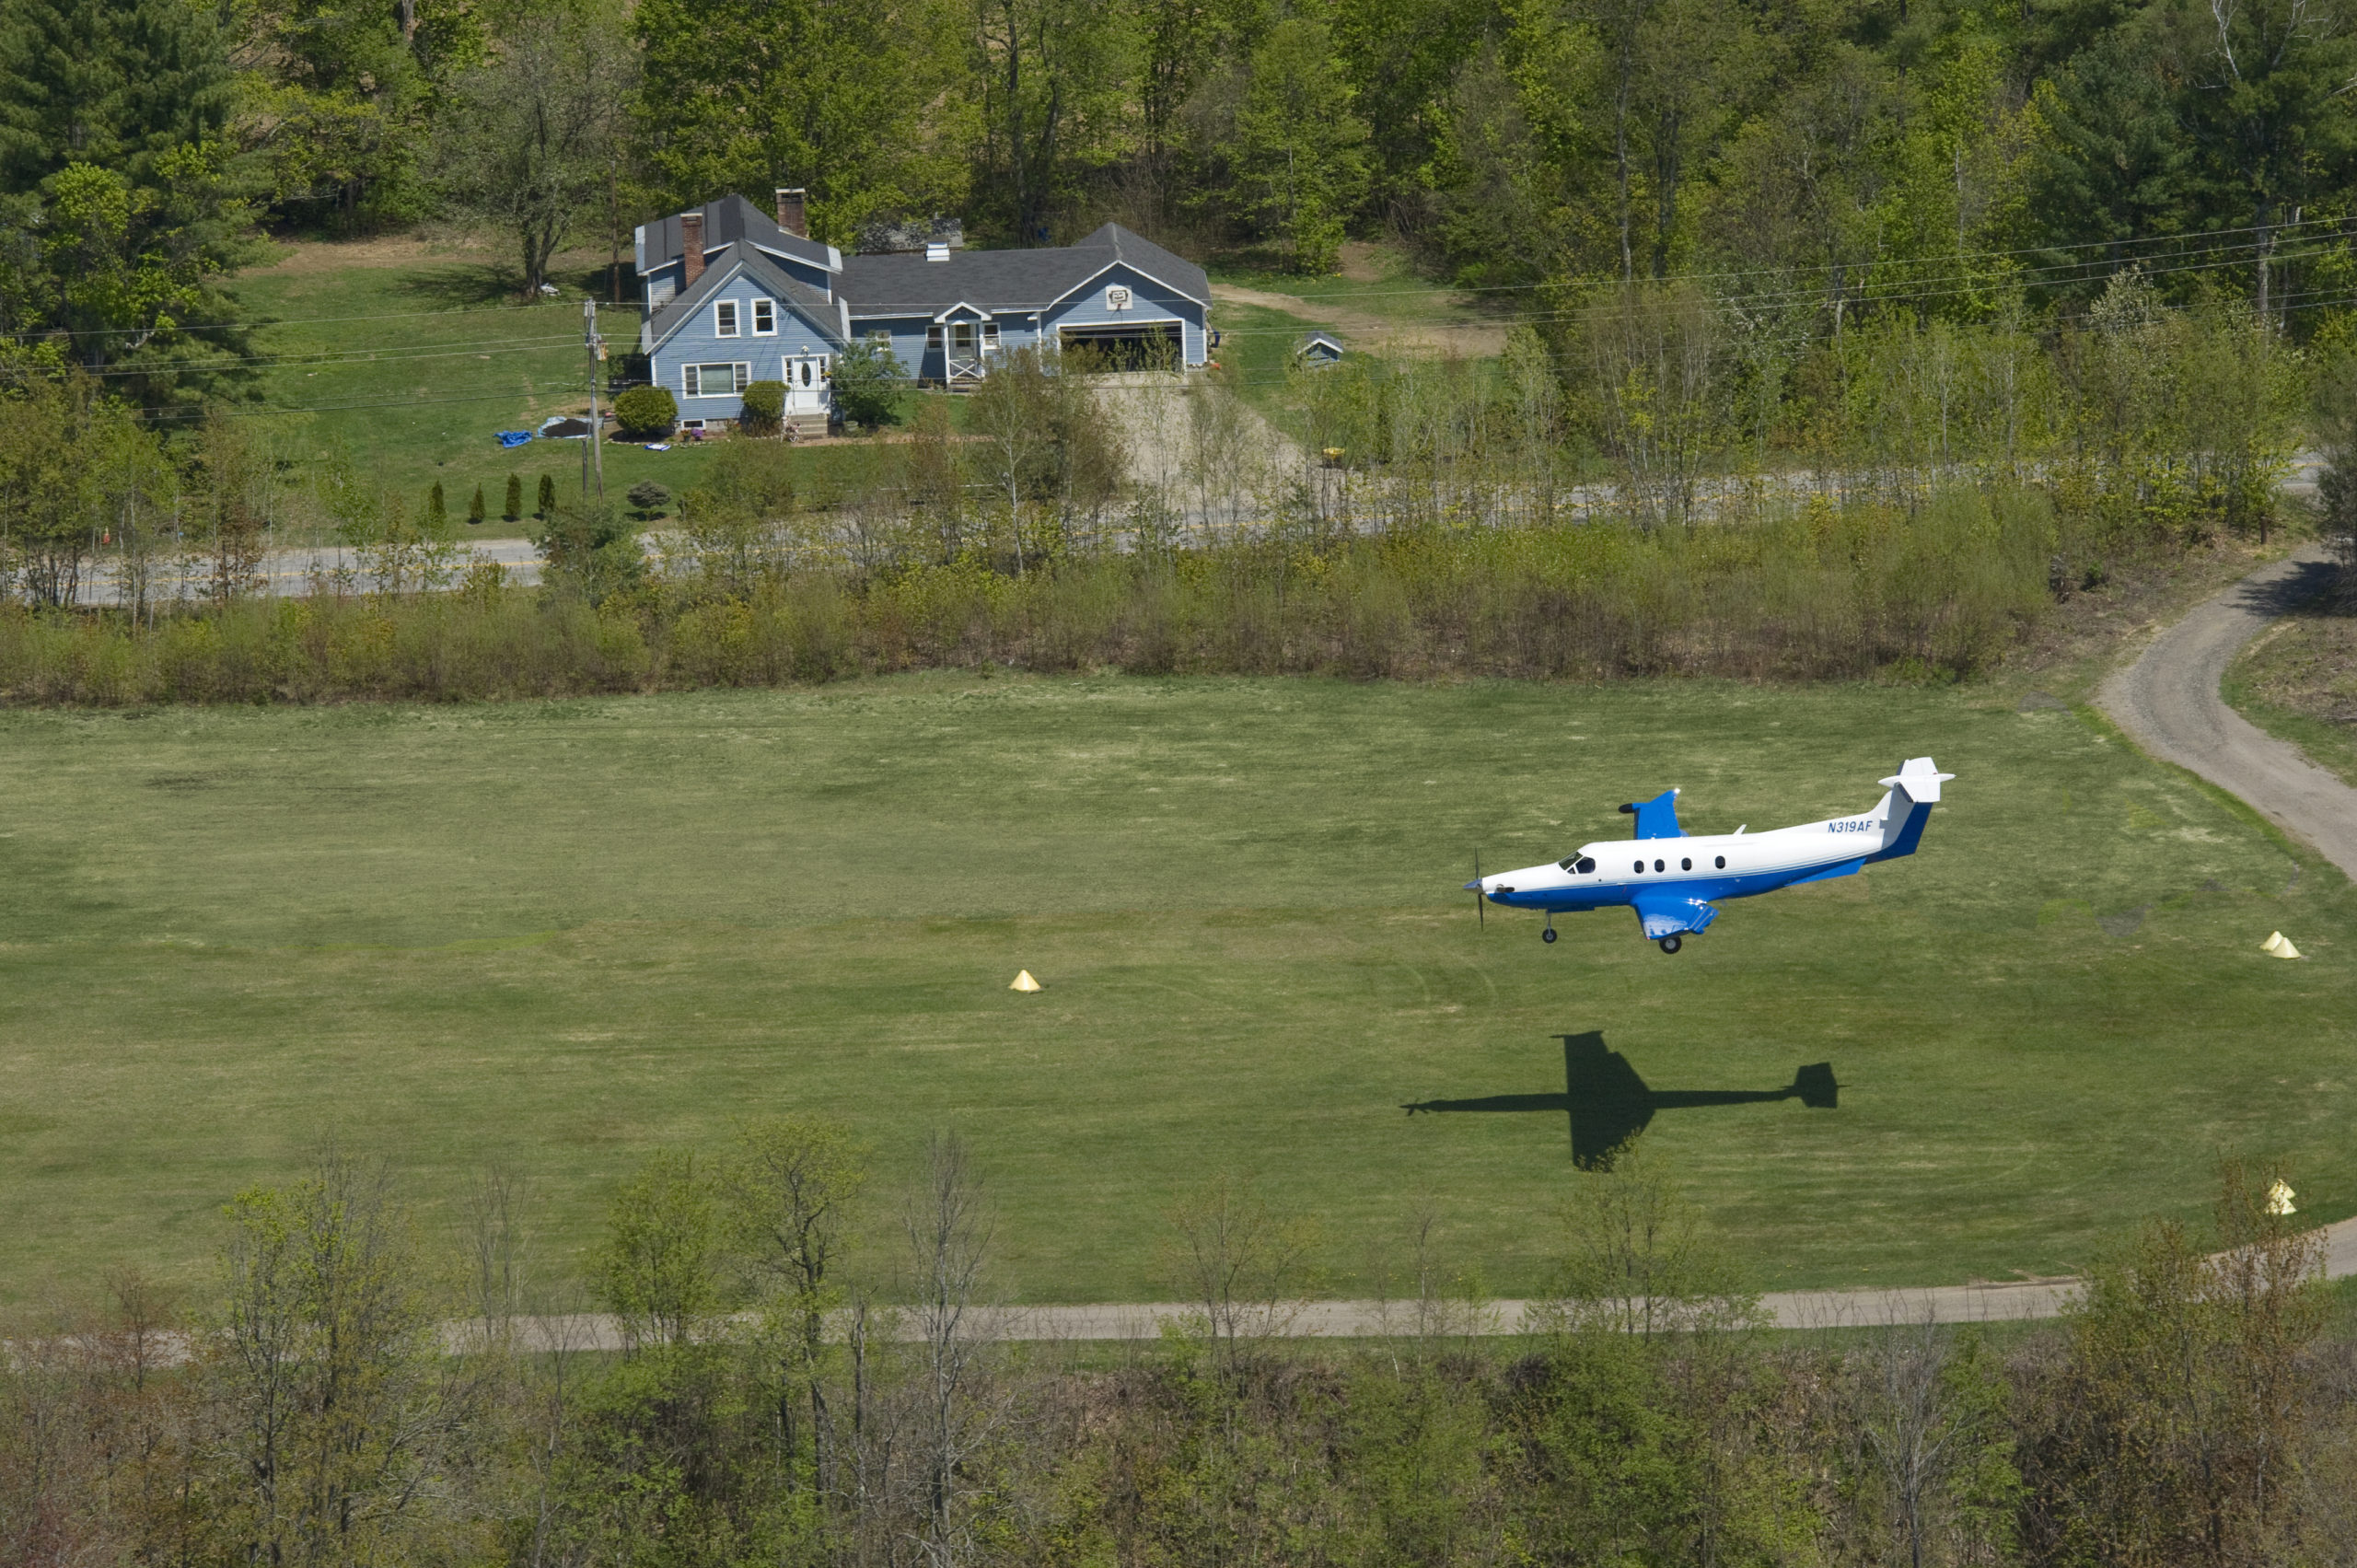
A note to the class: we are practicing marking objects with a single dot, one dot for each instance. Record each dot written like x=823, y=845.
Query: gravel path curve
x=2168, y=703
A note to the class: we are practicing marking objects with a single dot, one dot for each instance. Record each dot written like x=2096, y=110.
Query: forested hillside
x=1759, y=266
x=1817, y=161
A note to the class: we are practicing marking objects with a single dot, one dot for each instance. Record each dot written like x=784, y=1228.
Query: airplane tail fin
x=1914, y=790
x=1814, y=1086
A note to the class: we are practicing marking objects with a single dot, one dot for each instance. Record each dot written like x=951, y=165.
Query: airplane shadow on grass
x=1609, y=1104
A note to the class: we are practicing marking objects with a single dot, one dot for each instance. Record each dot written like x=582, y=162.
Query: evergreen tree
x=118, y=206
x=475, y=510
x=1300, y=151
x=514, y=509
x=437, y=510
x=113, y=83
x=546, y=506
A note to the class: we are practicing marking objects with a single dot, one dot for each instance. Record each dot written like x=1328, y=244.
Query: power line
x=371, y=356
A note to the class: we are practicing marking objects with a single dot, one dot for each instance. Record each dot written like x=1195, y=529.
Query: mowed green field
x=558, y=935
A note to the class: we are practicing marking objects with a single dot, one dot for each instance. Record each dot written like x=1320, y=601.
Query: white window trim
x=728, y=325
x=760, y=331
x=691, y=379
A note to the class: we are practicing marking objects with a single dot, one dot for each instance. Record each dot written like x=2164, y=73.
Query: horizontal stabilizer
x=1657, y=817
x=1919, y=780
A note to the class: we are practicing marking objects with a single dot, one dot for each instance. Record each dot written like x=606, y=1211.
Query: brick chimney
x=691, y=248
x=792, y=213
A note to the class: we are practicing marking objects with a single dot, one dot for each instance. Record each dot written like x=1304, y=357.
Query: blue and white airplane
x=1670, y=879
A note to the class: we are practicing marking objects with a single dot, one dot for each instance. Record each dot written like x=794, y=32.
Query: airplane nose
x=1473, y=888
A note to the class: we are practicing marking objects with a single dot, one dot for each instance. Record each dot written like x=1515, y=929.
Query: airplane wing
x=1667, y=914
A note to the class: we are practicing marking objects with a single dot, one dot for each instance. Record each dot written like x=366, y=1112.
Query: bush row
x=1818, y=593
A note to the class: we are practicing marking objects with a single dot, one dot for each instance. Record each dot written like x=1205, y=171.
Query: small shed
x=1317, y=350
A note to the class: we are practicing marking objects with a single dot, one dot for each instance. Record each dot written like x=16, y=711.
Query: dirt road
x=1991, y=1303
x=2168, y=703
x=1453, y=333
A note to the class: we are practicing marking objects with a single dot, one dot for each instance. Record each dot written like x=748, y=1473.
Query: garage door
x=1129, y=345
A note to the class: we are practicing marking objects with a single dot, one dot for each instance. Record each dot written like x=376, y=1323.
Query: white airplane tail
x=1914, y=790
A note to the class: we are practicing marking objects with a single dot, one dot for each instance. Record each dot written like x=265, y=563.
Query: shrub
x=645, y=414
x=475, y=510
x=514, y=509
x=438, y=509
x=647, y=498
x=547, y=505
x=868, y=382
x=764, y=408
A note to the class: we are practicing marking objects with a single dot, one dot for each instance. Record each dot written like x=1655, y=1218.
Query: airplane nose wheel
x=1548, y=935
x=1671, y=943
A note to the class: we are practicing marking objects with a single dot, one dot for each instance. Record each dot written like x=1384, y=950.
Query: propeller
x=1480, y=914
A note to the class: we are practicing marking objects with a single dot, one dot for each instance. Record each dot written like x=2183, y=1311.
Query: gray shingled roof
x=1008, y=279
x=726, y=220
x=768, y=274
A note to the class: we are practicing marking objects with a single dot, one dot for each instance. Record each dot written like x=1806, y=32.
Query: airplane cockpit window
x=1587, y=865
x=1577, y=866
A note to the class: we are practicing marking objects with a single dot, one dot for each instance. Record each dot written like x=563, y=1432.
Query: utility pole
x=596, y=451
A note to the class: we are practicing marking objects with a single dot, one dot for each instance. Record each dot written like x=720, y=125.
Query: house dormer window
x=724, y=318
x=765, y=317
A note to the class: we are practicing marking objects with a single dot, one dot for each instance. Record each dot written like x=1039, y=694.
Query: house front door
x=805, y=384
x=965, y=352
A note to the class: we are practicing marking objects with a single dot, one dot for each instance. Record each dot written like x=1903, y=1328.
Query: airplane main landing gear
x=1671, y=943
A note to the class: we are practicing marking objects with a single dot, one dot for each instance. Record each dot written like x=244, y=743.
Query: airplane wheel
x=1548, y=935
x=1671, y=943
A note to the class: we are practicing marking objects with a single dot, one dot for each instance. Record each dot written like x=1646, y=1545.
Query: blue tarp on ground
x=514, y=437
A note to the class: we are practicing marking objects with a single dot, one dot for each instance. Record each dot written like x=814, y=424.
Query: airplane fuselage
x=1673, y=879
x=1709, y=867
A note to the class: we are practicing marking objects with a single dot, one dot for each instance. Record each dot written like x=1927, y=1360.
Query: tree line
x=1822, y=166
x=793, y=1366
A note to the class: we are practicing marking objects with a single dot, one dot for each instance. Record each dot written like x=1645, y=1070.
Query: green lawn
x=410, y=360
x=557, y=935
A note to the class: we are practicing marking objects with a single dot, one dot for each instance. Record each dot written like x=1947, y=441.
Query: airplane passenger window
x=1656, y=865
x=1686, y=866
x=1723, y=863
x=1640, y=866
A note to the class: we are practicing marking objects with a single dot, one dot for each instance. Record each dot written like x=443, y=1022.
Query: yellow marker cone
x=1024, y=981
x=2280, y=946
x=2279, y=1199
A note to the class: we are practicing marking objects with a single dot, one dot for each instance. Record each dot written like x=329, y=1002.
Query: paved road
x=2168, y=703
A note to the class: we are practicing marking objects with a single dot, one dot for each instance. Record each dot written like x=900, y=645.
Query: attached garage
x=1129, y=345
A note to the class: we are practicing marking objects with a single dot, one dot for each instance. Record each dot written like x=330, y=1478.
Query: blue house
x=733, y=295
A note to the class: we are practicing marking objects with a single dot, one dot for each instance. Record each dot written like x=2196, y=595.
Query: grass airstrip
x=558, y=936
